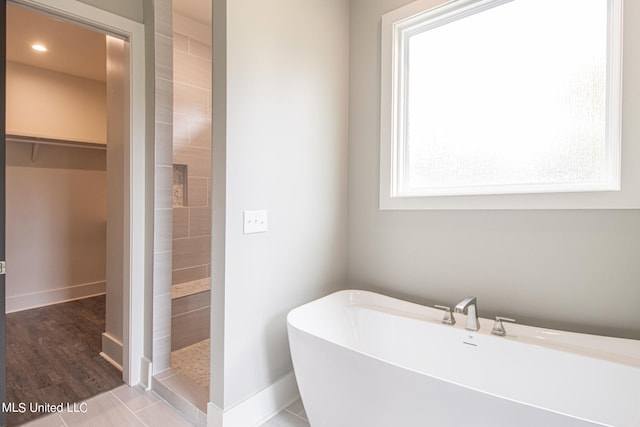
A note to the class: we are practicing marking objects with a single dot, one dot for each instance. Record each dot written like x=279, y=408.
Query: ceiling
x=71, y=49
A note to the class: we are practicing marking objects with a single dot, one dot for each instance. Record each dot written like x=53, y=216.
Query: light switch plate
x=255, y=222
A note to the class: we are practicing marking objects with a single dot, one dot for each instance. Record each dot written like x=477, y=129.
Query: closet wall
x=56, y=195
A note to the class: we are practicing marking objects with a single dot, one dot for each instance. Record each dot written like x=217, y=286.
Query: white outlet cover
x=255, y=221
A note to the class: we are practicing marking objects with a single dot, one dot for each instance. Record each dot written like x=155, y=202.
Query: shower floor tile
x=193, y=362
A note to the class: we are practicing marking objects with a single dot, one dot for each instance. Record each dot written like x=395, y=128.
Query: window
x=495, y=97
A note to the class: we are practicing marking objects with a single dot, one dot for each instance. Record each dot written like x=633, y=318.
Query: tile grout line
x=64, y=424
x=131, y=410
x=162, y=399
x=297, y=415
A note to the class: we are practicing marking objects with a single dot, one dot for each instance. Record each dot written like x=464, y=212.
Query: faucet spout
x=469, y=307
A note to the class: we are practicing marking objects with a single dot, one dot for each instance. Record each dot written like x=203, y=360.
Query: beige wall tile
x=180, y=129
x=198, y=191
x=188, y=274
x=199, y=221
x=189, y=328
x=180, y=42
x=191, y=302
x=200, y=49
x=192, y=126
x=200, y=132
x=191, y=70
x=198, y=160
x=191, y=100
x=191, y=252
x=180, y=223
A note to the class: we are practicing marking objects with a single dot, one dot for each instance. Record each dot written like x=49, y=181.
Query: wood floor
x=53, y=355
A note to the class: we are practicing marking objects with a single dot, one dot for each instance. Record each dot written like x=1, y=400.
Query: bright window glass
x=506, y=97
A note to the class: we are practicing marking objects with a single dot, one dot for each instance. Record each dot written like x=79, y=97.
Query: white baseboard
x=54, y=296
x=146, y=373
x=258, y=407
x=112, y=350
x=110, y=360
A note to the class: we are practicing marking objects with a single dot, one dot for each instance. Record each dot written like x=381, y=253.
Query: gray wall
x=285, y=117
x=132, y=9
x=577, y=270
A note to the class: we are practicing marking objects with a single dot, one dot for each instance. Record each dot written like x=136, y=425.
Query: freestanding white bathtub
x=366, y=360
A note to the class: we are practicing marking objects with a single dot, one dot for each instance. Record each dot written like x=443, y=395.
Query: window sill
x=591, y=200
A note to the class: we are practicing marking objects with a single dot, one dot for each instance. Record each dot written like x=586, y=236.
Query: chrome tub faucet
x=468, y=306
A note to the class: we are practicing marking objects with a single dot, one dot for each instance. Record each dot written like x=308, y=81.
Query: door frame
x=3, y=92
x=136, y=278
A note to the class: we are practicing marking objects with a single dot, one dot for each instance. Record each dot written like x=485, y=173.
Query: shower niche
x=180, y=186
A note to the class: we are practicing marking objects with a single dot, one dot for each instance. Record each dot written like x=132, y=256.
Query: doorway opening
x=65, y=211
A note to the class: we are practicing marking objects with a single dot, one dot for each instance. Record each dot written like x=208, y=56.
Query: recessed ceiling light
x=39, y=48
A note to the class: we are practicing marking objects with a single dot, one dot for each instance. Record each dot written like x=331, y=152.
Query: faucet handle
x=498, y=327
x=448, y=318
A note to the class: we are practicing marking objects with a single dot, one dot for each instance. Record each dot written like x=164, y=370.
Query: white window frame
x=393, y=25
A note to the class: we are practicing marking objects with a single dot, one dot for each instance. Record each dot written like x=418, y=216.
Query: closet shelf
x=37, y=141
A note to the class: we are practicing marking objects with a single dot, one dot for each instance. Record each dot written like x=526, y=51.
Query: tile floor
x=133, y=407
x=123, y=406
x=293, y=416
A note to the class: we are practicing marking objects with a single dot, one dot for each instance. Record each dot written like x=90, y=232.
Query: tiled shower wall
x=163, y=41
x=192, y=148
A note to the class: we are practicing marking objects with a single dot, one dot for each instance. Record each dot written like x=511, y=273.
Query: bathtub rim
x=445, y=380
x=347, y=300
x=553, y=339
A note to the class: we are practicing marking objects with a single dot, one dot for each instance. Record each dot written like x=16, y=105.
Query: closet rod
x=58, y=142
